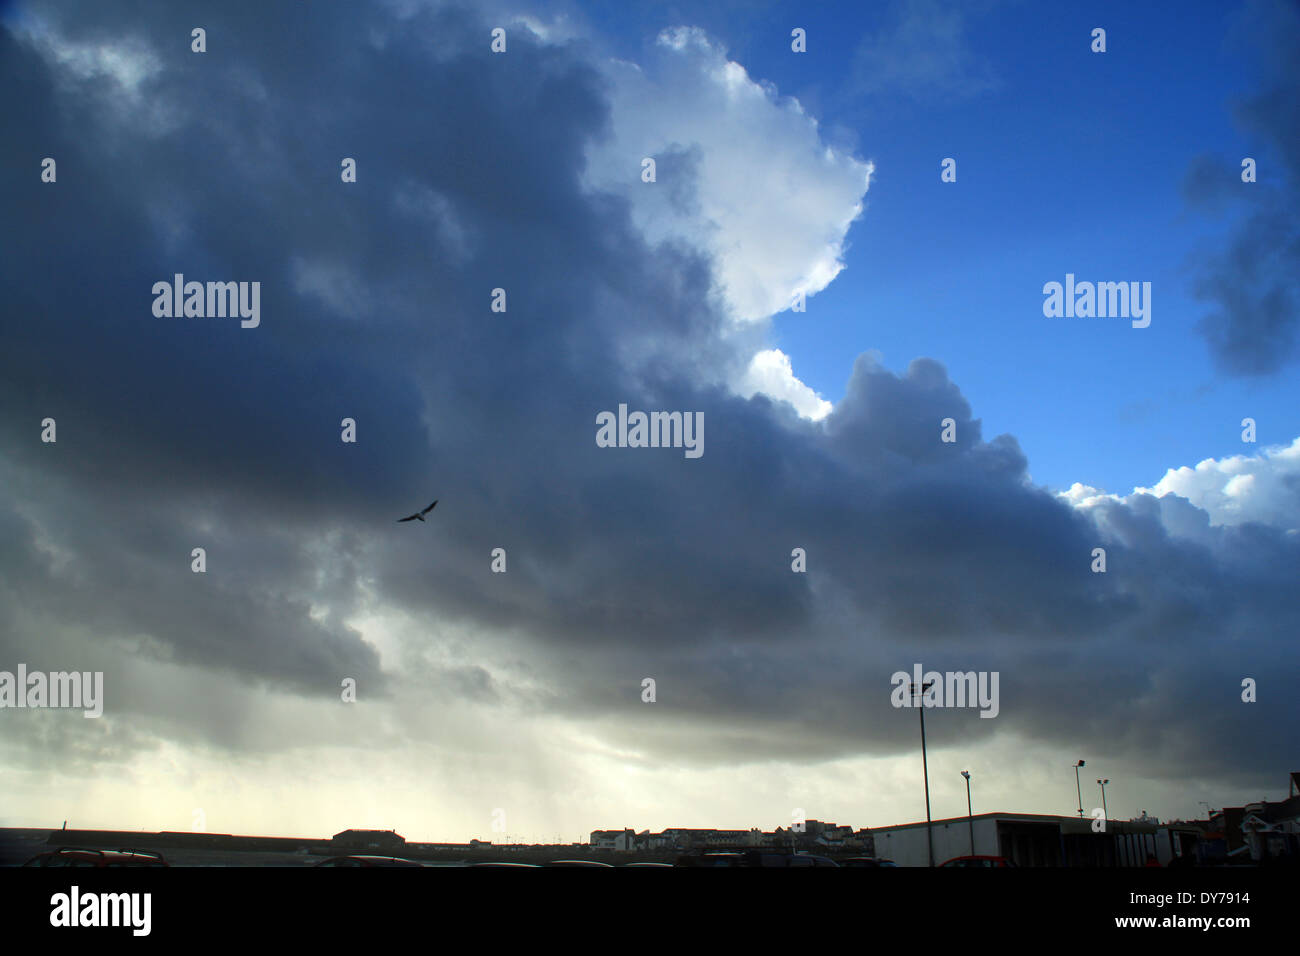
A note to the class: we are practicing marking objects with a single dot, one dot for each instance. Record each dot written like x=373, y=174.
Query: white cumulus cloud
x=1263, y=488
x=770, y=373
x=742, y=172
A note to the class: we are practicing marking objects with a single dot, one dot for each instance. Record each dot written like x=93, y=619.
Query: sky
x=501, y=694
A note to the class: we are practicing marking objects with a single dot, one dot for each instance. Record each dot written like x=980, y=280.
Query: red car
x=978, y=861
x=77, y=856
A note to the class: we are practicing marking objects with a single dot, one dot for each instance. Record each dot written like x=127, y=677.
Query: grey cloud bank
x=174, y=435
x=1252, y=288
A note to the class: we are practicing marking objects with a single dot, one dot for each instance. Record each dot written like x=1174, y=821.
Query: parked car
x=79, y=856
x=514, y=866
x=366, y=860
x=978, y=861
x=764, y=858
x=867, y=861
x=712, y=859
x=808, y=859
x=578, y=863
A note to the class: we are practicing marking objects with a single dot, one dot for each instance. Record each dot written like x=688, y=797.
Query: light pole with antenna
x=970, y=819
x=929, y=832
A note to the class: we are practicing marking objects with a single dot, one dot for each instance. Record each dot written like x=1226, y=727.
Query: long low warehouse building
x=1027, y=839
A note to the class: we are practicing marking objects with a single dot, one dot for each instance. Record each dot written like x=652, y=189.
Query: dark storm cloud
x=623, y=563
x=1252, y=285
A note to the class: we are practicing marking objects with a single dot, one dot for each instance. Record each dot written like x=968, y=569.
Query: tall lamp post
x=1104, y=813
x=970, y=819
x=1076, y=787
x=925, y=764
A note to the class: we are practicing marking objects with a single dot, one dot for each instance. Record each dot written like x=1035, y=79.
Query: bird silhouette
x=419, y=515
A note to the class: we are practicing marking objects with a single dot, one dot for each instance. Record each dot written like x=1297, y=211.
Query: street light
x=970, y=819
x=925, y=764
x=1076, y=787
x=1104, y=814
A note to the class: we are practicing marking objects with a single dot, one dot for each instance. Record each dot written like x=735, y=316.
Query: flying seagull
x=419, y=515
